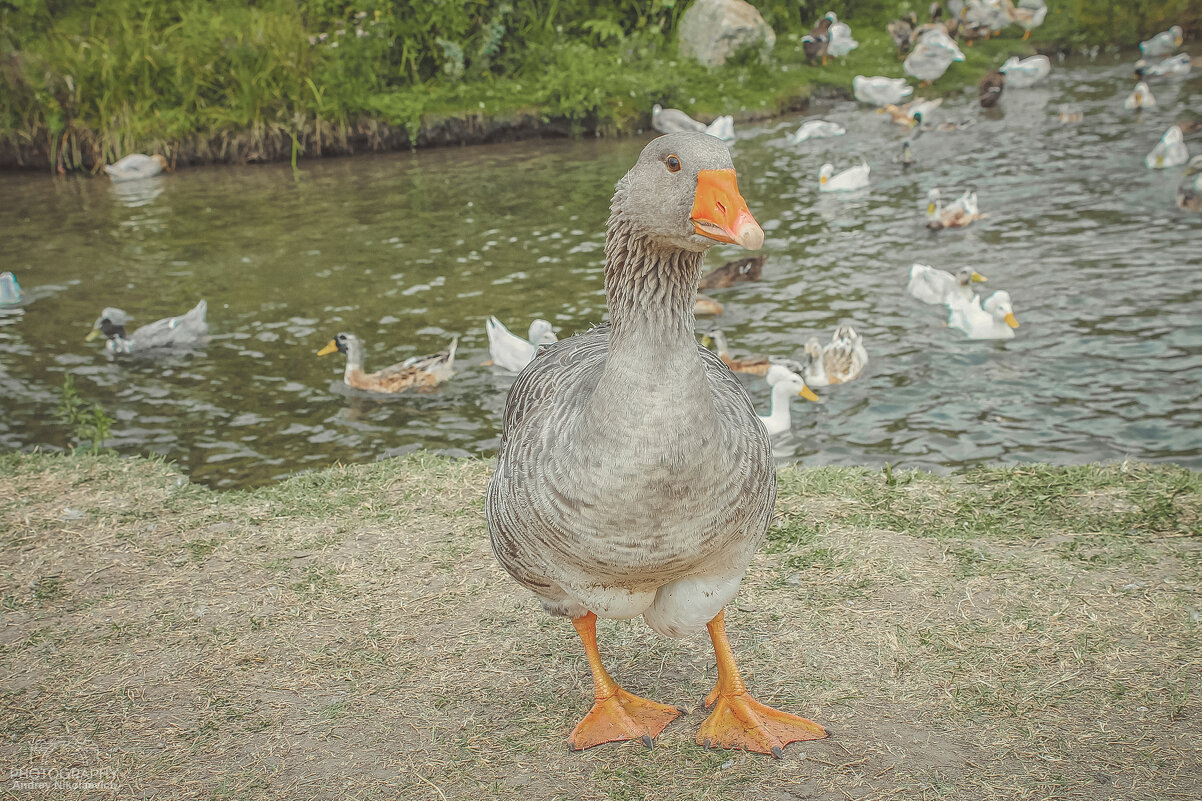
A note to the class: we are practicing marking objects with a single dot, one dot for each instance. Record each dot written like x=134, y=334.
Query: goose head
x=998, y=306
x=110, y=323
x=349, y=344
x=787, y=380
x=683, y=193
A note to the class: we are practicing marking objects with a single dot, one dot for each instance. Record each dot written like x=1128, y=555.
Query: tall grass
x=85, y=83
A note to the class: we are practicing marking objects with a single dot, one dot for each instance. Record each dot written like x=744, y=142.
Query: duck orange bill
x=808, y=394
x=721, y=213
x=328, y=349
x=1011, y=320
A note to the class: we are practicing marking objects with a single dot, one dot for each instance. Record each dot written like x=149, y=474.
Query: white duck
x=841, y=42
x=839, y=361
x=136, y=166
x=1140, y=97
x=816, y=129
x=722, y=127
x=1162, y=44
x=927, y=63
x=1175, y=66
x=10, y=289
x=1028, y=72
x=846, y=181
x=508, y=350
x=879, y=90
x=1170, y=151
x=938, y=39
x=673, y=120
x=993, y=319
x=785, y=385
x=934, y=286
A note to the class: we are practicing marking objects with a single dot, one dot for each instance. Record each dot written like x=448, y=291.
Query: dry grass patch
x=1027, y=633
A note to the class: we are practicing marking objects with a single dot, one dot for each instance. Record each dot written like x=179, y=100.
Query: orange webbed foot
x=741, y=722
x=622, y=716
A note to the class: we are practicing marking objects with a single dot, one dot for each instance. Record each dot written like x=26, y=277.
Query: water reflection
x=408, y=250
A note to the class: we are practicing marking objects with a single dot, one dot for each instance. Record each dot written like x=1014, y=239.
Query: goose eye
x=673, y=164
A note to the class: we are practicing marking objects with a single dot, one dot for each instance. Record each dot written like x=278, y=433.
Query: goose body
x=934, y=286
x=1162, y=44
x=508, y=350
x=634, y=476
x=839, y=361
x=1140, y=97
x=816, y=129
x=1027, y=72
x=10, y=289
x=848, y=180
x=673, y=120
x=136, y=166
x=1189, y=193
x=786, y=385
x=418, y=372
x=992, y=319
x=879, y=90
x=1170, y=151
x=734, y=272
x=189, y=330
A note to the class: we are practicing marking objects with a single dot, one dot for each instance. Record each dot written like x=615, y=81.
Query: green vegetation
x=86, y=83
x=1021, y=633
x=85, y=424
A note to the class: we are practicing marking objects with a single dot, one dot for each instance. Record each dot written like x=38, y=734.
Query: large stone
x=711, y=31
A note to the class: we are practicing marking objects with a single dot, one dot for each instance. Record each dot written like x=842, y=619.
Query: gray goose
x=634, y=476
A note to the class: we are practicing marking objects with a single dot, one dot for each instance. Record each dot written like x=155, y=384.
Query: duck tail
x=451, y=351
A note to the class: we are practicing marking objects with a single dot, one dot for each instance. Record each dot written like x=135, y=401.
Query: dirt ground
x=1028, y=633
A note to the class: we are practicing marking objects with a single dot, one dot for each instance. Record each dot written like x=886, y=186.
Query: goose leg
x=738, y=720
x=616, y=714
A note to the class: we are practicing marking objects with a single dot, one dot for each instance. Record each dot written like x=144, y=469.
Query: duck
x=848, y=180
x=906, y=158
x=705, y=306
x=734, y=272
x=816, y=129
x=900, y=30
x=10, y=289
x=1189, y=127
x=815, y=43
x=879, y=90
x=418, y=372
x=673, y=120
x=1174, y=66
x=1026, y=18
x=1069, y=117
x=989, y=90
x=841, y=41
x=992, y=319
x=722, y=127
x=189, y=330
x=136, y=166
x=839, y=361
x=508, y=350
x=1170, y=151
x=786, y=385
x=1189, y=193
x=751, y=365
x=935, y=286
x=928, y=63
x=634, y=476
x=1164, y=43
x=937, y=38
x=1027, y=72
x=960, y=213
x=1140, y=98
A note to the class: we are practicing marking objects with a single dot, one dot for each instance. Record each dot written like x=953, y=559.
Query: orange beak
x=721, y=213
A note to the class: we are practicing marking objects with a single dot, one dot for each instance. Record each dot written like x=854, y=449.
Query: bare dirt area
x=1028, y=633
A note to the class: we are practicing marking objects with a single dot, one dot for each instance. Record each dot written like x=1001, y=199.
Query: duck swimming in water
x=418, y=372
x=189, y=330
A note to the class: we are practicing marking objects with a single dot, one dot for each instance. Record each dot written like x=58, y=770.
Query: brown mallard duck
x=419, y=372
x=900, y=31
x=634, y=476
x=989, y=90
x=734, y=272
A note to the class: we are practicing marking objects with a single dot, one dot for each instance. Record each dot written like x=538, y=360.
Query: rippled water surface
x=407, y=250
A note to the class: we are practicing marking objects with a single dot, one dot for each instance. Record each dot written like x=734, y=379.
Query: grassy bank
x=1020, y=633
x=86, y=83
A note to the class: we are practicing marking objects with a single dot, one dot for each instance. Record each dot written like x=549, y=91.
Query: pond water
x=406, y=250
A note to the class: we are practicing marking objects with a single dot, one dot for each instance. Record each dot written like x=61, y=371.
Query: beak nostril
x=721, y=208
